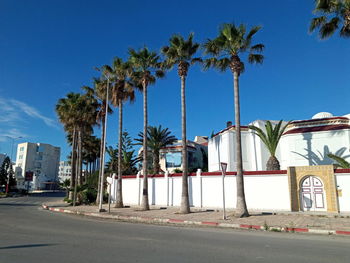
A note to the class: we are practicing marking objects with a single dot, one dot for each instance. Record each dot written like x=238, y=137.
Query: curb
x=202, y=223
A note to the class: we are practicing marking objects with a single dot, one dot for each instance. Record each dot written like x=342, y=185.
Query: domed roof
x=322, y=115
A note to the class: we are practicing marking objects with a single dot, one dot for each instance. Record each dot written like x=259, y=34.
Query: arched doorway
x=312, y=194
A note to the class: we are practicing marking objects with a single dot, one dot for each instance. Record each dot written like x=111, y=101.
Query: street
x=31, y=234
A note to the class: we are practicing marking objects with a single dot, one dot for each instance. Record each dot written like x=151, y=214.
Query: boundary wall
x=264, y=190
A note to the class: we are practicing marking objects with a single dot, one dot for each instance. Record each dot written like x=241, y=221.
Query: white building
x=64, y=171
x=2, y=158
x=40, y=159
x=171, y=156
x=305, y=142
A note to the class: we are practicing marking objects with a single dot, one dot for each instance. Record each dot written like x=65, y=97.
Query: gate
x=312, y=194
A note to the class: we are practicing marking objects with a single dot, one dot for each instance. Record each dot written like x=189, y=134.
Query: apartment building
x=39, y=159
x=65, y=171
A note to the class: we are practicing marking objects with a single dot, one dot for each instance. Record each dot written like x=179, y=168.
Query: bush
x=88, y=196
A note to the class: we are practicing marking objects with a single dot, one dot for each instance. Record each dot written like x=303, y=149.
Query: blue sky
x=49, y=48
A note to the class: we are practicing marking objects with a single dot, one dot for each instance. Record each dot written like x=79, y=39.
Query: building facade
x=304, y=143
x=2, y=158
x=40, y=160
x=64, y=171
x=171, y=156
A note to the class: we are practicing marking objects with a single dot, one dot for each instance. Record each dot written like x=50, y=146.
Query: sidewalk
x=287, y=222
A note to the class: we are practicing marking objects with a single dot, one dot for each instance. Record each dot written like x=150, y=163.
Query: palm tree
x=78, y=114
x=341, y=162
x=157, y=139
x=226, y=49
x=180, y=52
x=122, y=91
x=99, y=92
x=334, y=14
x=271, y=139
x=146, y=69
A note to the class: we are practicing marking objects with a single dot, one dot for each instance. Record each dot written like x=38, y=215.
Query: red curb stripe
x=340, y=232
x=301, y=229
x=209, y=223
x=61, y=210
x=255, y=227
x=176, y=221
x=245, y=226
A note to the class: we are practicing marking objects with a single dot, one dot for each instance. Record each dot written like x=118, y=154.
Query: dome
x=322, y=115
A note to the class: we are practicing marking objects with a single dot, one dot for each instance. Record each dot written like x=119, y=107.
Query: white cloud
x=13, y=113
x=11, y=133
x=32, y=112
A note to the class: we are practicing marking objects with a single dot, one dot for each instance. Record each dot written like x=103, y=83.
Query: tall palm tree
x=65, y=108
x=146, y=69
x=122, y=91
x=99, y=92
x=334, y=15
x=225, y=50
x=180, y=52
x=271, y=139
x=77, y=113
x=157, y=138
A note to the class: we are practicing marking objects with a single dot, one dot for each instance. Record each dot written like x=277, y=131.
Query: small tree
x=157, y=139
x=271, y=139
x=6, y=173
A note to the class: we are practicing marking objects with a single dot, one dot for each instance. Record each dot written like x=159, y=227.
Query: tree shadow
x=27, y=246
x=318, y=158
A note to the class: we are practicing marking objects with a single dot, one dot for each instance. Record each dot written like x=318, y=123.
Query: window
x=20, y=157
x=173, y=159
x=21, y=149
x=40, y=148
x=39, y=156
x=37, y=165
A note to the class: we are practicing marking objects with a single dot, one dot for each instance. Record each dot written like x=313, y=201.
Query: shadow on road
x=12, y=204
x=27, y=246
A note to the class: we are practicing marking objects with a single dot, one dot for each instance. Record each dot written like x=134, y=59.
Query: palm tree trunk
x=72, y=177
x=119, y=202
x=241, y=206
x=145, y=202
x=80, y=159
x=100, y=160
x=273, y=164
x=156, y=166
x=76, y=170
x=185, y=204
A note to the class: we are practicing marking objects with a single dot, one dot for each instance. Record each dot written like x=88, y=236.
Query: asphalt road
x=30, y=234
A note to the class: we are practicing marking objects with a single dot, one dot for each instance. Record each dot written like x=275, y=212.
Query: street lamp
x=8, y=177
x=102, y=168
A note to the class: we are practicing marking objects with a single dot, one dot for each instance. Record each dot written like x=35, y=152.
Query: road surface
x=30, y=234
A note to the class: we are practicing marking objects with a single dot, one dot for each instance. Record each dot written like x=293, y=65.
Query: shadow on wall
x=318, y=158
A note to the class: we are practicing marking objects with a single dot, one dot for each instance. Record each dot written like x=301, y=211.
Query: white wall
x=263, y=192
x=303, y=149
x=343, y=183
x=299, y=149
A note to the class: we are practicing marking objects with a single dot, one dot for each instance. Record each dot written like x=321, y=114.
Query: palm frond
x=255, y=58
x=340, y=161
